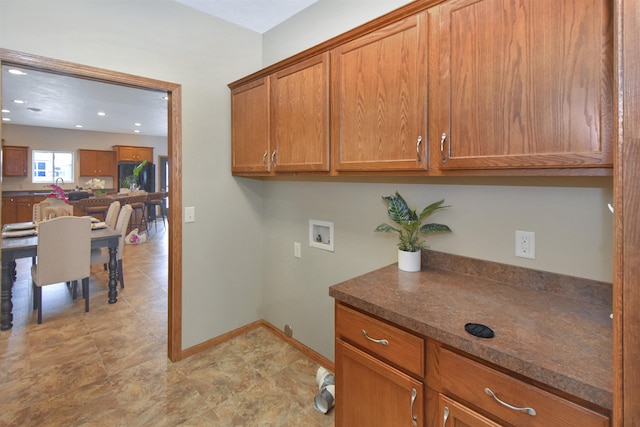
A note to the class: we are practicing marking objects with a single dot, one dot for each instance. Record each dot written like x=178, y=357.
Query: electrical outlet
x=297, y=250
x=526, y=244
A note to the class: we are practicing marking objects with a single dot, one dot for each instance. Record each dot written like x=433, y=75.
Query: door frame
x=174, y=151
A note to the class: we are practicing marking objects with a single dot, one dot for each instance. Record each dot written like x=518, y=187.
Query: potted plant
x=410, y=245
x=131, y=181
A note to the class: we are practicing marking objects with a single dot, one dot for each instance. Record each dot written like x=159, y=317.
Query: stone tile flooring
x=109, y=367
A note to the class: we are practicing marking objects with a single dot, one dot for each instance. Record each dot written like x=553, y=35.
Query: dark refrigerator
x=146, y=177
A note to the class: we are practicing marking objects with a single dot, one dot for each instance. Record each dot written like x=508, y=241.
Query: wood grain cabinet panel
x=373, y=394
x=524, y=84
x=250, y=117
x=300, y=112
x=378, y=117
x=14, y=161
x=133, y=154
x=96, y=163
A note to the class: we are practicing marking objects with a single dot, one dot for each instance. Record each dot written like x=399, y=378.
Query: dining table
x=20, y=240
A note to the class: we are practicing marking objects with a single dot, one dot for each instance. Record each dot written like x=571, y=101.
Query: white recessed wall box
x=321, y=234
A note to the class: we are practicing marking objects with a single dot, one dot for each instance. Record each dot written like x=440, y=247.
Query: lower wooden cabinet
x=8, y=210
x=371, y=393
x=453, y=414
x=388, y=376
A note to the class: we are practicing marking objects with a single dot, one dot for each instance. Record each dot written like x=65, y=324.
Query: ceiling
x=58, y=101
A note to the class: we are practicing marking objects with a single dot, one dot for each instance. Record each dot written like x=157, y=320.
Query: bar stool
x=138, y=219
x=96, y=206
x=154, y=201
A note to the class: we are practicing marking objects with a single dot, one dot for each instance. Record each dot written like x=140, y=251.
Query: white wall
x=569, y=215
x=165, y=40
x=44, y=138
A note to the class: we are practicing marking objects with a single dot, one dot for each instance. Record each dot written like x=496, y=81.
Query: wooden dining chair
x=101, y=255
x=64, y=255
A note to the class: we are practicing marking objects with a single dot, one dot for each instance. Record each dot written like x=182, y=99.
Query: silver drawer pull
x=383, y=342
x=418, y=149
x=414, y=394
x=445, y=417
x=529, y=411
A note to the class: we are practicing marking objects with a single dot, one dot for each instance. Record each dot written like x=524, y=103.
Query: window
x=48, y=166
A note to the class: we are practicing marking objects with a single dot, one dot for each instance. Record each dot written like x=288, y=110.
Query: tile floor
x=109, y=367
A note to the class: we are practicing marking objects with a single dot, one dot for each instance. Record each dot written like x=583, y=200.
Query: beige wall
x=569, y=215
x=44, y=138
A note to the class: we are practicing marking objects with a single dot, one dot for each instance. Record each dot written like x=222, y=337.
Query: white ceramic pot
x=409, y=261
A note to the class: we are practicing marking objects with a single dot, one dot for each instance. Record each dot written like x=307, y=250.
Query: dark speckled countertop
x=551, y=328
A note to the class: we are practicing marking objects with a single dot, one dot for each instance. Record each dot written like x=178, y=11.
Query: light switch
x=190, y=214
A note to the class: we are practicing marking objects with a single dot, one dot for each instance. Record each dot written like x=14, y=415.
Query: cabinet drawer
x=388, y=342
x=467, y=380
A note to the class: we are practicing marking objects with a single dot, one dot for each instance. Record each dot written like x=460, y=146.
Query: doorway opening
x=173, y=174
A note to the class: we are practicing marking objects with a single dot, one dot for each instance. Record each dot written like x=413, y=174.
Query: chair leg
x=38, y=296
x=74, y=289
x=33, y=291
x=85, y=293
x=120, y=275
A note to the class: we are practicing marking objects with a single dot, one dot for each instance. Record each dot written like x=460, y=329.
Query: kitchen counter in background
x=551, y=328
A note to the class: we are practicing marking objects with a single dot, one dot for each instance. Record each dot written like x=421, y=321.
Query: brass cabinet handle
x=383, y=342
x=528, y=410
x=445, y=417
x=418, y=149
x=414, y=394
x=442, y=140
x=273, y=158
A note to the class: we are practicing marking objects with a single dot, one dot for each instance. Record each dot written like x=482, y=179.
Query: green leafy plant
x=411, y=223
x=133, y=179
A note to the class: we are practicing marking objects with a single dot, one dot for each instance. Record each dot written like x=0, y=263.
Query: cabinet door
x=126, y=154
x=14, y=162
x=373, y=394
x=8, y=210
x=87, y=162
x=454, y=414
x=379, y=99
x=104, y=163
x=250, y=128
x=24, y=209
x=300, y=116
x=144, y=153
x=524, y=84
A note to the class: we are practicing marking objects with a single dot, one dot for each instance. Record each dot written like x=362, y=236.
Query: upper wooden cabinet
x=14, y=161
x=300, y=116
x=133, y=154
x=378, y=118
x=521, y=84
x=250, y=115
x=96, y=163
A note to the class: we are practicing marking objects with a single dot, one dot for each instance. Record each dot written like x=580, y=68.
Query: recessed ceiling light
x=136, y=131
x=166, y=97
x=5, y=111
x=137, y=124
x=6, y=119
x=102, y=113
x=78, y=126
x=17, y=72
x=19, y=101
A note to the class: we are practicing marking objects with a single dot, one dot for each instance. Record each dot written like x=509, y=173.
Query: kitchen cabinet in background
x=96, y=163
x=379, y=99
x=14, y=161
x=250, y=116
x=8, y=210
x=521, y=84
x=133, y=154
x=19, y=208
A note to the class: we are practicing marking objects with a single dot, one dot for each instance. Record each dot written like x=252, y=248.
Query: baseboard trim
x=313, y=355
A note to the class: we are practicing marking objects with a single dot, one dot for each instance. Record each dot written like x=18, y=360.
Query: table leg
x=6, y=306
x=113, y=278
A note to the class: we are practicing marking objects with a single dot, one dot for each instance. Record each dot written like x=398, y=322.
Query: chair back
x=111, y=218
x=46, y=210
x=121, y=227
x=64, y=250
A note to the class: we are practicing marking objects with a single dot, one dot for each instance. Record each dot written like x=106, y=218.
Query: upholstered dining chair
x=112, y=214
x=101, y=255
x=64, y=255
